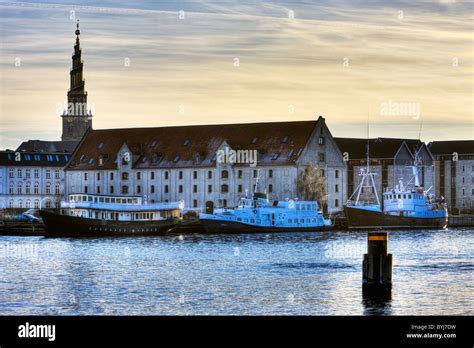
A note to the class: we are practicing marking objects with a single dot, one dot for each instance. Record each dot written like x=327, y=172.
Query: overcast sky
x=400, y=64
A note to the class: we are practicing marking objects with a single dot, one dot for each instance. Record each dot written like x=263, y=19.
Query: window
x=336, y=203
x=224, y=174
x=124, y=189
x=85, y=176
x=57, y=189
x=270, y=173
x=27, y=188
x=224, y=203
x=209, y=188
x=152, y=175
x=166, y=189
x=176, y=159
x=180, y=174
x=57, y=173
x=12, y=188
x=37, y=203
x=195, y=188
x=98, y=189
x=240, y=188
x=86, y=189
x=270, y=188
x=285, y=139
x=139, y=189
x=321, y=140
x=336, y=174
x=98, y=176
x=20, y=172
x=10, y=203
x=19, y=188
x=321, y=157
x=255, y=173
x=36, y=173
x=224, y=188
x=11, y=173
x=195, y=203
x=124, y=176
x=139, y=175
x=186, y=141
x=167, y=175
x=180, y=188
x=48, y=188
x=275, y=156
x=195, y=174
x=336, y=188
x=20, y=203
x=240, y=174
x=111, y=176
x=112, y=189
x=209, y=174
x=322, y=173
x=152, y=188
x=27, y=173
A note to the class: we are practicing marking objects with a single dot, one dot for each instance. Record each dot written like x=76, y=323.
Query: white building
x=455, y=173
x=31, y=179
x=173, y=163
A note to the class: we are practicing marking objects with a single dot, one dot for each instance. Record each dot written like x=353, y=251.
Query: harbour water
x=314, y=273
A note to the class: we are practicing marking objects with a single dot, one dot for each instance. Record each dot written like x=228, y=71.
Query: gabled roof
x=381, y=148
x=48, y=146
x=278, y=143
x=33, y=159
x=462, y=147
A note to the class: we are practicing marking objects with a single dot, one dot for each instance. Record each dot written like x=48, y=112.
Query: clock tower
x=76, y=118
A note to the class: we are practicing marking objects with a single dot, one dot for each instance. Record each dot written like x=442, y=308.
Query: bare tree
x=311, y=186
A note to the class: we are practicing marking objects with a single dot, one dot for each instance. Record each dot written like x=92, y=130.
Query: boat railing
x=120, y=206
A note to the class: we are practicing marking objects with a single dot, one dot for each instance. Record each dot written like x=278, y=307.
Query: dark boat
x=94, y=215
x=401, y=207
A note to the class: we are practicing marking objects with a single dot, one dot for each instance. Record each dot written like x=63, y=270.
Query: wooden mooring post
x=377, y=266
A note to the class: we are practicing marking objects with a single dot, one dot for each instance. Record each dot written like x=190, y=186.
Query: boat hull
x=367, y=219
x=73, y=226
x=219, y=226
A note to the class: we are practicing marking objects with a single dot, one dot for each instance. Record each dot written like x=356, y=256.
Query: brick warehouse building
x=174, y=163
x=454, y=166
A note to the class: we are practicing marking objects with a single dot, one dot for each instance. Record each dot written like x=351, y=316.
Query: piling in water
x=377, y=266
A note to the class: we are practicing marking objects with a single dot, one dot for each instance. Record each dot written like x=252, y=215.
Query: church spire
x=76, y=119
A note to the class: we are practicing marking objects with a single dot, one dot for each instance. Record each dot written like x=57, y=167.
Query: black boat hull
x=218, y=226
x=365, y=219
x=73, y=226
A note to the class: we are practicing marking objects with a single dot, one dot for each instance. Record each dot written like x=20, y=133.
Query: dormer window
x=101, y=146
x=176, y=159
x=254, y=140
x=82, y=158
x=91, y=161
x=186, y=141
x=153, y=143
x=285, y=139
x=275, y=156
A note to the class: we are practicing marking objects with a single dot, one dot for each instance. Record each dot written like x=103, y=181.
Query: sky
x=405, y=67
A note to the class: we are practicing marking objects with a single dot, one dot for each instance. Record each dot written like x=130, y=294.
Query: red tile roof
x=195, y=145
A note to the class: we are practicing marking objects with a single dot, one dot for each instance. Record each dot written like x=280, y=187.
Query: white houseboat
x=88, y=214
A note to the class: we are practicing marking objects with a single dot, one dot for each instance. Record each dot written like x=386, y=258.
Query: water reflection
x=262, y=274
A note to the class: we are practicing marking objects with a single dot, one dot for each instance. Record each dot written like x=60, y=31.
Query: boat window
x=314, y=206
x=135, y=201
x=252, y=221
x=308, y=207
x=302, y=220
x=129, y=200
x=404, y=196
x=409, y=196
x=101, y=199
x=89, y=199
x=107, y=200
x=95, y=199
x=314, y=220
x=112, y=200
x=307, y=220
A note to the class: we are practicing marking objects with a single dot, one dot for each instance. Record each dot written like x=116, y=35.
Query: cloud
x=424, y=56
